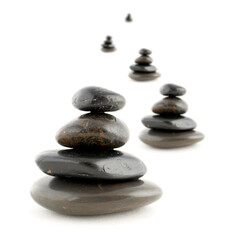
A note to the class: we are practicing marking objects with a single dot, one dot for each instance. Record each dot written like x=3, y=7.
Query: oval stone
x=172, y=90
x=96, y=99
x=143, y=69
x=141, y=77
x=145, y=52
x=170, y=105
x=94, y=130
x=144, y=60
x=174, y=123
x=75, y=197
x=163, y=139
x=94, y=165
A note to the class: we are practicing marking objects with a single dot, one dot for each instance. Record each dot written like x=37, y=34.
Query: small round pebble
x=145, y=52
x=172, y=90
x=96, y=99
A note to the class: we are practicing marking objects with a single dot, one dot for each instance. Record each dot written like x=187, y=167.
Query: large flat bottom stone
x=144, y=76
x=164, y=139
x=74, y=197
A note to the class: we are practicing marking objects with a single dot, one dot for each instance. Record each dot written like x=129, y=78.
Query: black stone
x=145, y=52
x=96, y=99
x=172, y=90
x=143, y=69
x=75, y=197
x=94, y=130
x=173, y=123
x=93, y=165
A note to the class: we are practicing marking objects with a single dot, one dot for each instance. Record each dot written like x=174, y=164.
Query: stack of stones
x=108, y=46
x=143, y=70
x=129, y=18
x=169, y=129
x=91, y=178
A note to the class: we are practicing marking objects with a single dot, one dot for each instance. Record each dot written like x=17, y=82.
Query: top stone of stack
x=172, y=90
x=98, y=100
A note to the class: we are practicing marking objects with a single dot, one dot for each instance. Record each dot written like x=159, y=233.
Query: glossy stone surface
x=94, y=130
x=96, y=99
x=170, y=105
x=144, y=60
x=144, y=76
x=164, y=139
x=145, y=52
x=172, y=90
x=95, y=165
x=173, y=123
x=74, y=197
x=143, y=69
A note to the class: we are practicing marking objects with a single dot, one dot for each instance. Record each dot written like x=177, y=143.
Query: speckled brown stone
x=170, y=105
x=96, y=130
x=164, y=139
x=80, y=198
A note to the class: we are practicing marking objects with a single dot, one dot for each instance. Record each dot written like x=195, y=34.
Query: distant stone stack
x=143, y=70
x=108, y=46
x=129, y=18
x=169, y=129
x=92, y=178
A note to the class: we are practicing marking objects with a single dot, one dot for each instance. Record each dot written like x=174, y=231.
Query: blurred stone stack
x=143, y=70
x=169, y=129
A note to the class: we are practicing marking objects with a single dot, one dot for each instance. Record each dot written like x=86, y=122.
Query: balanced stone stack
x=169, y=129
x=143, y=70
x=91, y=178
x=108, y=46
x=129, y=18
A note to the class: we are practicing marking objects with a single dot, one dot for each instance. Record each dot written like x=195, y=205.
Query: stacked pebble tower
x=108, y=46
x=143, y=70
x=91, y=178
x=169, y=129
x=129, y=18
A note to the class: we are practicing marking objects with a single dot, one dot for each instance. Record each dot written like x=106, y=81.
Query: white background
x=50, y=49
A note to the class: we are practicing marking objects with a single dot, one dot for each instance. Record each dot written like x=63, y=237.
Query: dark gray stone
x=96, y=99
x=172, y=123
x=164, y=139
x=172, y=90
x=75, y=197
x=93, y=165
x=143, y=69
x=145, y=52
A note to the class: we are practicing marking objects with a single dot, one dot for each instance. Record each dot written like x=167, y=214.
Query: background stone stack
x=169, y=129
x=108, y=46
x=91, y=178
x=143, y=70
